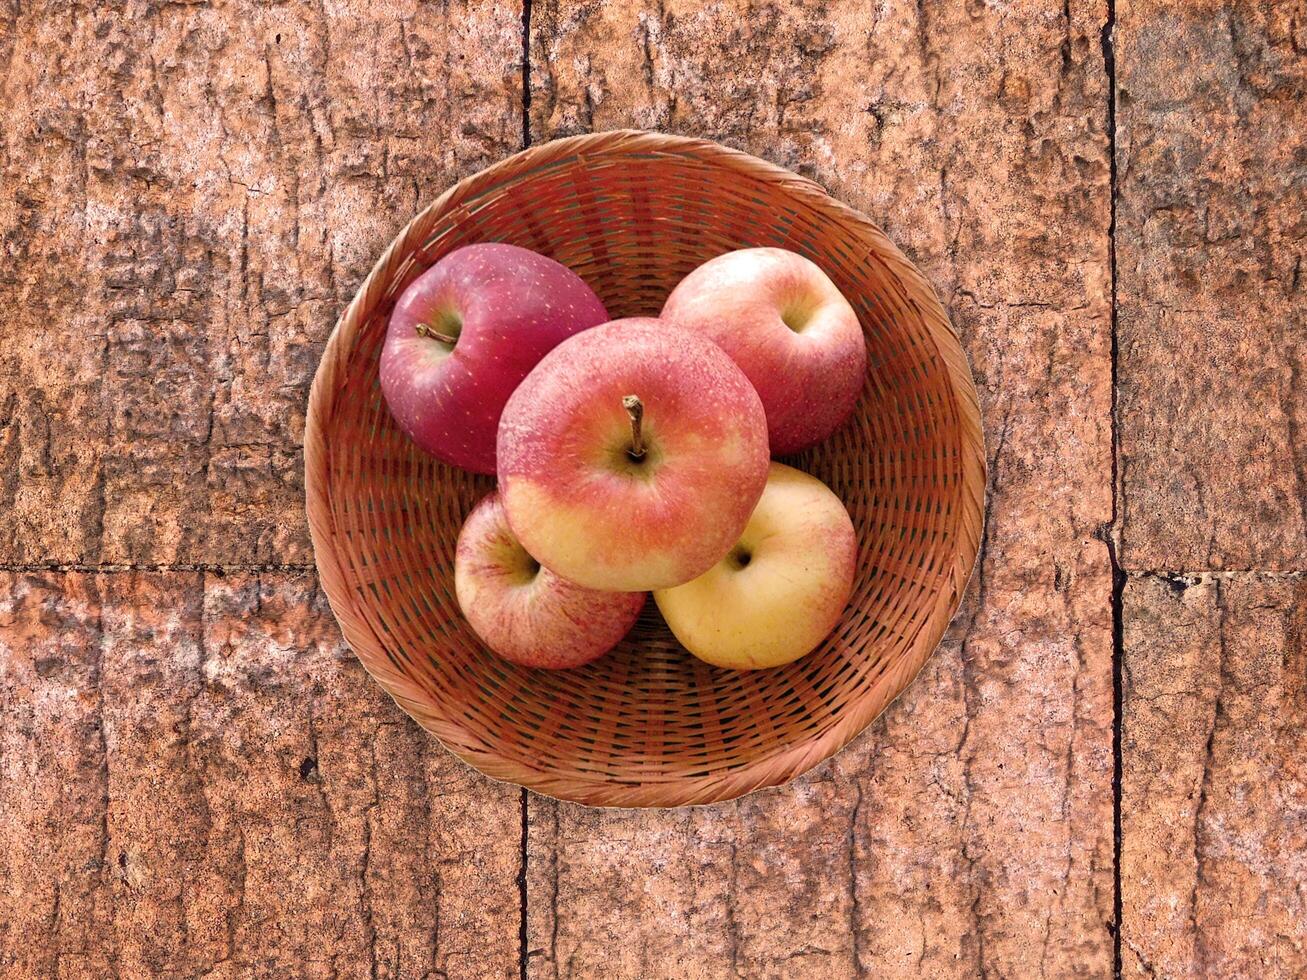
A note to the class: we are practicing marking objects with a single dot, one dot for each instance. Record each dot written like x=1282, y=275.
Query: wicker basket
x=649, y=725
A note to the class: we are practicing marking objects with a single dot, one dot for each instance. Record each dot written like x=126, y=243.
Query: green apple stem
x=635, y=409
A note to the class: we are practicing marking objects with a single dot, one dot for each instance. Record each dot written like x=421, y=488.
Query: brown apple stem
x=635, y=409
x=423, y=330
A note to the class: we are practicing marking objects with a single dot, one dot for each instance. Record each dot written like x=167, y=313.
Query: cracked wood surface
x=192, y=193
x=1214, y=794
x=196, y=778
x=1212, y=311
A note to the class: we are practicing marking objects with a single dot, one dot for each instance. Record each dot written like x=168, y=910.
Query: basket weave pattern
x=649, y=725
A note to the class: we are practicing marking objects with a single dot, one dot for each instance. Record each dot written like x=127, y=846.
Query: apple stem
x=424, y=330
x=635, y=409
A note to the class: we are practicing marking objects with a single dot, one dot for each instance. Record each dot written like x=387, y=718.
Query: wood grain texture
x=1214, y=795
x=192, y=192
x=1212, y=318
x=198, y=779
x=975, y=136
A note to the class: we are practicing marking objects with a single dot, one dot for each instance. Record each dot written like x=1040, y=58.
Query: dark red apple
x=463, y=336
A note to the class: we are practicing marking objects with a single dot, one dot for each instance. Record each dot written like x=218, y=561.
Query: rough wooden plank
x=970, y=830
x=199, y=779
x=1214, y=811
x=55, y=910
x=1213, y=322
x=191, y=193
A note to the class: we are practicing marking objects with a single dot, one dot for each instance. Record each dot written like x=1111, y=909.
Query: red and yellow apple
x=632, y=456
x=524, y=612
x=780, y=590
x=465, y=333
x=791, y=331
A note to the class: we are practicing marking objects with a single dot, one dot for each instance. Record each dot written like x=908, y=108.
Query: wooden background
x=1103, y=768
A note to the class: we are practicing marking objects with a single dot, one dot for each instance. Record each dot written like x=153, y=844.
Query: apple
x=782, y=588
x=524, y=612
x=632, y=456
x=790, y=330
x=465, y=333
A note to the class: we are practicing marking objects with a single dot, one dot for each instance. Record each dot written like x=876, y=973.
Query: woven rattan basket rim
x=781, y=765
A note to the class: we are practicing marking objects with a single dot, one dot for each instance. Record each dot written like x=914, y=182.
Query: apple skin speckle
x=515, y=306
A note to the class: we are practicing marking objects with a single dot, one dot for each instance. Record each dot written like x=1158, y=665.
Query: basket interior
x=632, y=225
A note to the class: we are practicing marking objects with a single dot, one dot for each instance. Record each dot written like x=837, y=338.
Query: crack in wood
x=1111, y=536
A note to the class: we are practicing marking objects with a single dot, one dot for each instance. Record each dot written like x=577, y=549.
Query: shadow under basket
x=649, y=725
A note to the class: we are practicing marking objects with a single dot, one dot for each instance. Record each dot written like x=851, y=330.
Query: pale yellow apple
x=780, y=591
